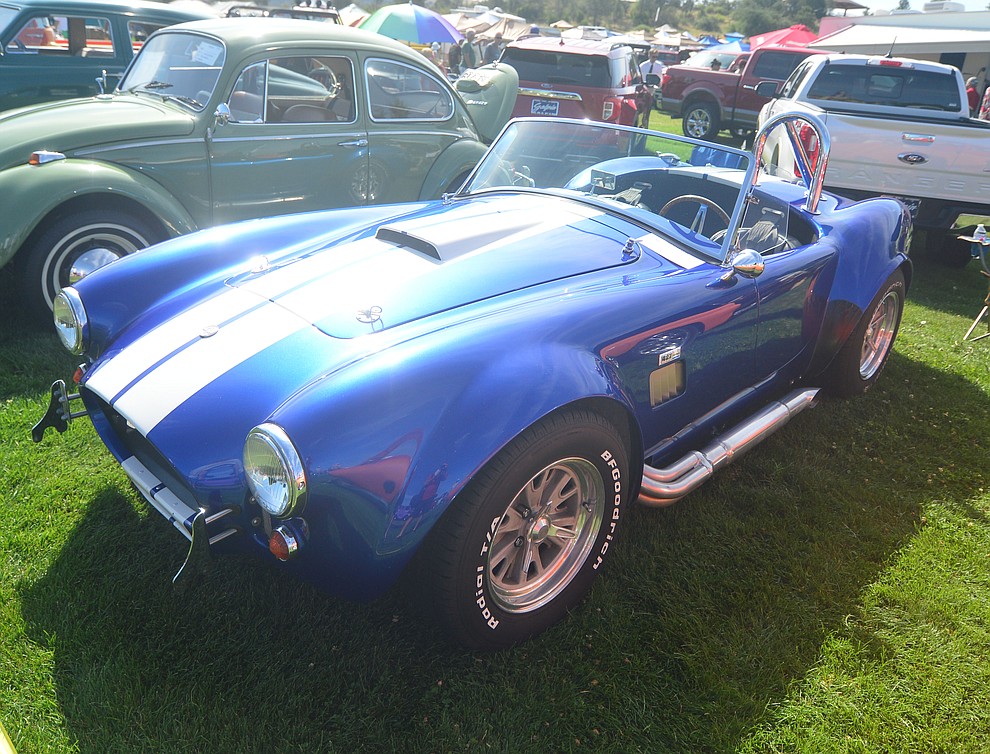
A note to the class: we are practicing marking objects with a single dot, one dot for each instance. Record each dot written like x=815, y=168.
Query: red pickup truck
x=710, y=100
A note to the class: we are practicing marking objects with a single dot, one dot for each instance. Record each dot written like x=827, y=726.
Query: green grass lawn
x=829, y=592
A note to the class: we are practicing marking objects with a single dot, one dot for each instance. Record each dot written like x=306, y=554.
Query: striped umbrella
x=411, y=23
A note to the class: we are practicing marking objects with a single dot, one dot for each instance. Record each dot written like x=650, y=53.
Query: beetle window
x=398, y=91
x=299, y=89
x=64, y=35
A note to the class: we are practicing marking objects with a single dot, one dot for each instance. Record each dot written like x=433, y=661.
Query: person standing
x=469, y=52
x=454, y=60
x=972, y=95
x=493, y=49
x=649, y=66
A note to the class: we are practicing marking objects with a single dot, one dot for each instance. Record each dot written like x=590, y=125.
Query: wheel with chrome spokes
x=522, y=544
x=861, y=359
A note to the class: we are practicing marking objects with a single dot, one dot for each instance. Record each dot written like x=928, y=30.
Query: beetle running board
x=662, y=487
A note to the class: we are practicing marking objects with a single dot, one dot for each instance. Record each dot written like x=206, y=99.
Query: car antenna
x=890, y=52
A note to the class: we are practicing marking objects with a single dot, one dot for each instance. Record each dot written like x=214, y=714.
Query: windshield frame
x=480, y=181
x=216, y=62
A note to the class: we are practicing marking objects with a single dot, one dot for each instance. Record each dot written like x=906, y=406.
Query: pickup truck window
x=891, y=87
x=777, y=65
x=793, y=83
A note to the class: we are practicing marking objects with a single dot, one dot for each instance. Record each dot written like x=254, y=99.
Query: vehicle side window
x=624, y=71
x=777, y=65
x=139, y=32
x=397, y=91
x=299, y=89
x=793, y=83
x=64, y=35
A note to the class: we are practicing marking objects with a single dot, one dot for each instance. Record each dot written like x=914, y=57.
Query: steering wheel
x=324, y=75
x=699, y=217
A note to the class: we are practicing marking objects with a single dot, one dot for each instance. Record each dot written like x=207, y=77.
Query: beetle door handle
x=354, y=143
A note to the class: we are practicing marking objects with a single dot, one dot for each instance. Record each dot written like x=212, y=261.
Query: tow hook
x=59, y=413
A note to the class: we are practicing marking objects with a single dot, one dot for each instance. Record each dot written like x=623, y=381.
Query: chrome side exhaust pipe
x=662, y=487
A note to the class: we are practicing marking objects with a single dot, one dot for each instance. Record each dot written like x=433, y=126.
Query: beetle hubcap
x=546, y=535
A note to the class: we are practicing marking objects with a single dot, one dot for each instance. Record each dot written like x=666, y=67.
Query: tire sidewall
x=486, y=623
x=57, y=246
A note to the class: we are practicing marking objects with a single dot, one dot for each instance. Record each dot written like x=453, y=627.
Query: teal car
x=230, y=119
x=57, y=49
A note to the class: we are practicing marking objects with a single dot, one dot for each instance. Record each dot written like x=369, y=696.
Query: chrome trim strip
x=543, y=94
x=133, y=145
x=160, y=496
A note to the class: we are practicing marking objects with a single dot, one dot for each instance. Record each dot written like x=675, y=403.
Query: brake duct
x=662, y=487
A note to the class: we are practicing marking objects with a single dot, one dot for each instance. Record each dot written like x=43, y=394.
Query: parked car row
x=229, y=119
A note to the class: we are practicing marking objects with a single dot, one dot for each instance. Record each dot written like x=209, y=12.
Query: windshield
x=688, y=190
x=178, y=66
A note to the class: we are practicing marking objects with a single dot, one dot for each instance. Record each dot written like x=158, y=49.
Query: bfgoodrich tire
x=862, y=358
x=93, y=237
x=524, y=541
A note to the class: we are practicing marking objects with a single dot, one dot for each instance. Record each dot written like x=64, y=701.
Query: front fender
x=388, y=454
x=456, y=160
x=31, y=192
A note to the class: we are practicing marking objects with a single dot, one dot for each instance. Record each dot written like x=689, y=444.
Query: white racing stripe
x=172, y=383
x=670, y=252
x=116, y=374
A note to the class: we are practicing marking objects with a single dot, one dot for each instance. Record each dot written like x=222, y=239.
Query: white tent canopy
x=903, y=41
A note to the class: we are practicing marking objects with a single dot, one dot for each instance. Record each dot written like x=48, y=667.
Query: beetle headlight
x=70, y=320
x=274, y=470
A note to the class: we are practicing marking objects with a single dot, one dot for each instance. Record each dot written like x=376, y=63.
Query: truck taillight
x=664, y=79
x=608, y=109
x=809, y=140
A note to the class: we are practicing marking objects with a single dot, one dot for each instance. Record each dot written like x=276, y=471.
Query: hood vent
x=401, y=238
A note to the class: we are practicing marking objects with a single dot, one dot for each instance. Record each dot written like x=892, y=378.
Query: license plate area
x=544, y=107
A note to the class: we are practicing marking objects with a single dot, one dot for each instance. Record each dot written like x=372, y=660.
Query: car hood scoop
x=442, y=258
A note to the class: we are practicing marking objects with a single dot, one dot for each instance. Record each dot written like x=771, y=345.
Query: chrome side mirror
x=747, y=263
x=222, y=115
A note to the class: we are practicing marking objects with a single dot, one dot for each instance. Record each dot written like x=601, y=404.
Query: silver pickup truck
x=899, y=128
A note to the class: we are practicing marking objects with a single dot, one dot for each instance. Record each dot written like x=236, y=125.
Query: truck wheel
x=701, y=121
x=76, y=245
x=522, y=544
x=861, y=359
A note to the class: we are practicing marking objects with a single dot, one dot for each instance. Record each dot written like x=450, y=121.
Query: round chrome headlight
x=70, y=320
x=274, y=470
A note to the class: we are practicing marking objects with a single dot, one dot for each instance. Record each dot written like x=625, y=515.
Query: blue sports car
x=481, y=385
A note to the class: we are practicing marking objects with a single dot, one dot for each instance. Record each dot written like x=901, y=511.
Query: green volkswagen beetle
x=229, y=119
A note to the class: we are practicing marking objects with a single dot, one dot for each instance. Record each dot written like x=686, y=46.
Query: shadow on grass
x=710, y=611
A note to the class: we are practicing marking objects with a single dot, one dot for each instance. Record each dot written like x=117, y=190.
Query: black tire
x=701, y=121
x=506, y=518
x=51, y=256
x=863, y=356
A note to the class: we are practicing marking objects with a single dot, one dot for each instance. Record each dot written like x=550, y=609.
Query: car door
x=689, y=359
x=412, y=119
x=296, y=139
x=51, y=56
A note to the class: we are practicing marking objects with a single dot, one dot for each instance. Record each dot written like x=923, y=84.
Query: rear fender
x=873, y=243
x=455, y=161
x=33, y=192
